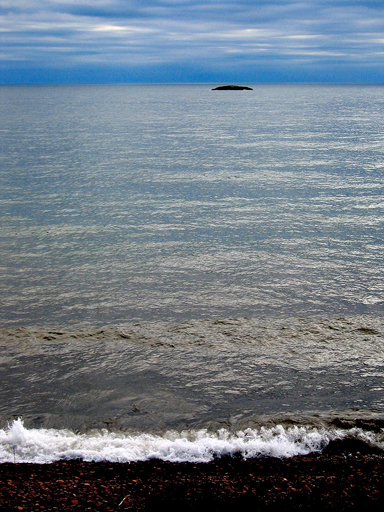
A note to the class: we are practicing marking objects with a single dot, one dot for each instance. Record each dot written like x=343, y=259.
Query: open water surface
x=189, y=269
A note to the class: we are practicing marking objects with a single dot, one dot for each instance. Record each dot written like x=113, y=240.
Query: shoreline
x=311, y=482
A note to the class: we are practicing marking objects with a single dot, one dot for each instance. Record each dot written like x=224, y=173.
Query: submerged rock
x=232, y=88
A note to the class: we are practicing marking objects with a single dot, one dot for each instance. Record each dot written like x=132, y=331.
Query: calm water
x=145, y=202
x=173, y=257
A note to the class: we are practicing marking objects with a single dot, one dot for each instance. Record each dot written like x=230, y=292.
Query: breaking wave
x=19, y=444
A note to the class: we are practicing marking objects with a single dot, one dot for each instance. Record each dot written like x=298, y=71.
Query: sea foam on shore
x=19, y=444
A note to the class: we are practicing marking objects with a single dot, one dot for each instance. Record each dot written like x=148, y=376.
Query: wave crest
x=19, y=444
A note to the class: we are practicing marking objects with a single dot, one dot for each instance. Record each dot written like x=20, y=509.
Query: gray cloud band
x=211, y=33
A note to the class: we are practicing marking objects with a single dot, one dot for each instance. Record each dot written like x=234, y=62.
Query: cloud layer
x=192, y=40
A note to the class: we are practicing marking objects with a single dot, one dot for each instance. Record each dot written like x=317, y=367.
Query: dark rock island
x=232, y=88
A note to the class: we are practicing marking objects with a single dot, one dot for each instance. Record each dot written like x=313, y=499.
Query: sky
x=174, y=41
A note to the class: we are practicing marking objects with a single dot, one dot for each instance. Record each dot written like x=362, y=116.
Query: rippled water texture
x=129, y=203
x=198, y=374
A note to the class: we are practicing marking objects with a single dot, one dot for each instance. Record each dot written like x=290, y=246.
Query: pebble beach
x=313, y=482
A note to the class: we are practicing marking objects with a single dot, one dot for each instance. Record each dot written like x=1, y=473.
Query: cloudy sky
x=107, y=41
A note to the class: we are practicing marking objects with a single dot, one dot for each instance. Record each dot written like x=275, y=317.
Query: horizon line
x=188, y=83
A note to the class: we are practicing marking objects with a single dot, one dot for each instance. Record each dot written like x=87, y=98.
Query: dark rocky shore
x=314, y=482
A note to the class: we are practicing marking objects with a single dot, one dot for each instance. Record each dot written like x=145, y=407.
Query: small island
x=232, y=88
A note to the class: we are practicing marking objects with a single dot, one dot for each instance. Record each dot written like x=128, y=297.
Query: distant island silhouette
x=232, y=88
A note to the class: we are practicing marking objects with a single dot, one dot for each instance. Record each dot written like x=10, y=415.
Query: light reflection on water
x=125, y=203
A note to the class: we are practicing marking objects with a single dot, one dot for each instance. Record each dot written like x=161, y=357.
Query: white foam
x=19, y=444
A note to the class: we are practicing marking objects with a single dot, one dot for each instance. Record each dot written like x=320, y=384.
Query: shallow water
x=199, y=374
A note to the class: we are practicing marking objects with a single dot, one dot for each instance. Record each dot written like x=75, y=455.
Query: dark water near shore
x=232, y=374
x=177, y=258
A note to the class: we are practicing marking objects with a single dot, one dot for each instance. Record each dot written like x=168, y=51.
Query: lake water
x=176, y=258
